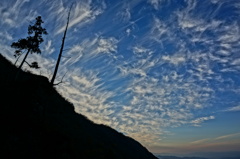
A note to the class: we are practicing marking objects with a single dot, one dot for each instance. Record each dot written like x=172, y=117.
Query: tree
x=31, y=43
x=61, y=50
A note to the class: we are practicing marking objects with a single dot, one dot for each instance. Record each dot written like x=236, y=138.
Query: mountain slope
x=38, y=123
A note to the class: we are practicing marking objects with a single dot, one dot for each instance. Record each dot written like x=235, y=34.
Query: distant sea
x=202, y=155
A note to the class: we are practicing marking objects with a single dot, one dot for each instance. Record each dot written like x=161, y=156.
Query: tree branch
x=61, y=80
x=19, y=55
x=28, y=64
x=33, y=65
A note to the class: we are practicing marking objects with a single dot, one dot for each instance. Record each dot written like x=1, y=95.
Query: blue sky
x=165, y=72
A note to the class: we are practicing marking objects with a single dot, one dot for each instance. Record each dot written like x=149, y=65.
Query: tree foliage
x=32, y=42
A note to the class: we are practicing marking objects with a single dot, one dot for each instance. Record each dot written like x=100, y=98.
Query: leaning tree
x=61, y=50
x=31, y=43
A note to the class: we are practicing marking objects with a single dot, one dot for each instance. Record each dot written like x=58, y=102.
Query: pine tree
x=32, y=42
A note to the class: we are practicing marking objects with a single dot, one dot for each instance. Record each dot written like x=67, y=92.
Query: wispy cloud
x=198, y=121
x=227, y=136
x=176, y=59
x=81, y=13
x=232, y=109
x=11, y=12
x=155, y=3
x=6, y=35
x=200, y=141
x=124, y=14
x=48, y=48
x=215, y=140
x=107, y=45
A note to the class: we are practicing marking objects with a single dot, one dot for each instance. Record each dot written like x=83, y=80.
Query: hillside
x=38, y=123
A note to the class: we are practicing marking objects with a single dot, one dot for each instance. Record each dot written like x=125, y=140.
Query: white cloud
x=74, y=55
x=81, y=13
x=48, y=48
x=227, y=136
x=140, y=49
x=233, y=109
x=175, y=59
x=200, y=141
x=185, y=19
x=155, y=3
x=12, y=12
x=198, y=121
x=215, y=140
x=6, y=35
x=107, y=45
x=236, y=62
x=128, y=31
x=159, y=30
x=84, y=81
x=157, y=98
x=125, y=13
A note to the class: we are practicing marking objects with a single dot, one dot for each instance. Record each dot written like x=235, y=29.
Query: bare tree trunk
x=24, y=59
x=17, y=59
x=19, y=68
x=61, y=50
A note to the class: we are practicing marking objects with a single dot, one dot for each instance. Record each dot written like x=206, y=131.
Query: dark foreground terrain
x=36, y=122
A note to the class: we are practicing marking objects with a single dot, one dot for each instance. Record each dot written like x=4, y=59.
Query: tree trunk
x=24, y=59
x=61, y=50
x=19, y=68
x=17, y=59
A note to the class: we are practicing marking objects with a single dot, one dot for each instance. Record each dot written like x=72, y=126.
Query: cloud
x=83, y=81
x=236, y=62
x=128, y=31
x=11, y=11
x=216, y=140
x=6, y=35
x=202, y=141
x=227, y=136
x=87, y=95
x=175, y=59
x=140, y=49
x=184, y=16
x=155, y=3
x=81, y=14
x=159, y=31
x=198, y=121
x=74, y=54
x=145, y=90
x=232, y=109
x=107, y=45
x=125, y=13
x=48, y=48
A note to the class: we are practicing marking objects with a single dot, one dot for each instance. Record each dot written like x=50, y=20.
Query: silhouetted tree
x=18, y=54
x=31, y=43
x=61, y=50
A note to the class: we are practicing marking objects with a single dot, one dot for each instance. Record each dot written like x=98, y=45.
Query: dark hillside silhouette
x=44, y=125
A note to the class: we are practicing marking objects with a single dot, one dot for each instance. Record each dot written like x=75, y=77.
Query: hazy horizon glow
x=164, y=72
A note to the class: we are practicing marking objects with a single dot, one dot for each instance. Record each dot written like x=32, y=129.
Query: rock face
x=36, y=122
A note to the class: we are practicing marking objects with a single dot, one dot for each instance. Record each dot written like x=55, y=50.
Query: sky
x=164, y=72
